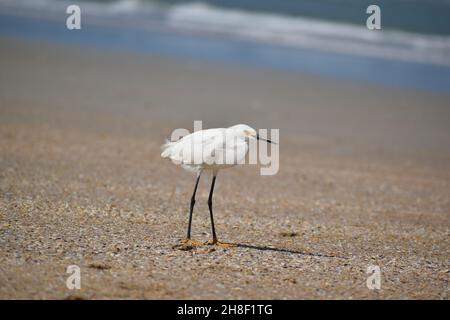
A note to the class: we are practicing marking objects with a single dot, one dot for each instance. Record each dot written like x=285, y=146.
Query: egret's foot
x=216, y=242
x=190, y=242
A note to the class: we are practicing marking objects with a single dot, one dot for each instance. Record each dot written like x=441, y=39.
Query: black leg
x=191, y=210
x=210, y=208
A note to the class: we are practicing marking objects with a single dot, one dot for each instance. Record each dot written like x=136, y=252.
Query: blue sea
x=321, y=37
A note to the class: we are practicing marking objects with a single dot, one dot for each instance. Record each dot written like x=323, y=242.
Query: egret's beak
x=266, y=140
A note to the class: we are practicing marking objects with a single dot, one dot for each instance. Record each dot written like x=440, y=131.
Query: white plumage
x=212, y=149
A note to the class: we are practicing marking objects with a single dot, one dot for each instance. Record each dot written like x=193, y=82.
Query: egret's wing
x=225, y=150
x=207, y=148
x=195, y=148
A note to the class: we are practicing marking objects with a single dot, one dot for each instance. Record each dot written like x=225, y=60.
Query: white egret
x=213, y=150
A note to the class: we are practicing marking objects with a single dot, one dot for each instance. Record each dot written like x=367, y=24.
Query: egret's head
x=248, y=132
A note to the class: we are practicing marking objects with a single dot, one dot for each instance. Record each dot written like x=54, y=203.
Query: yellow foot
x=220, y=244
x=190, y=242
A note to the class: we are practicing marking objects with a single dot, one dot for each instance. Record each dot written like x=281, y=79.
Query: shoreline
x=182, y=44
x=422, y=130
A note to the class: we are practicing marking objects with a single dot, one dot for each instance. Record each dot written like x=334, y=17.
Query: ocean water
x=326, y=37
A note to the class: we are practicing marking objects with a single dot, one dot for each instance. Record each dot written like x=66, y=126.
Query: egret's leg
x=191, y=210
x=214, y=239
x=210, y=209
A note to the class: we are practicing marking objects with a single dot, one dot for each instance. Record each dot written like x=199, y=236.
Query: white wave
x=311, y=33
x=296, y=32
x=90, y=7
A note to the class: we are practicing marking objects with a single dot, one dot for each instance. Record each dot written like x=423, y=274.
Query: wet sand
x=364, y=180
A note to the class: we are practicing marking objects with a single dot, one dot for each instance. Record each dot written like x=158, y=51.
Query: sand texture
x=364, y=180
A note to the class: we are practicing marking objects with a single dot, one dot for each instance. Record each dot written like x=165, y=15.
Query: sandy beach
x=364, y=180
